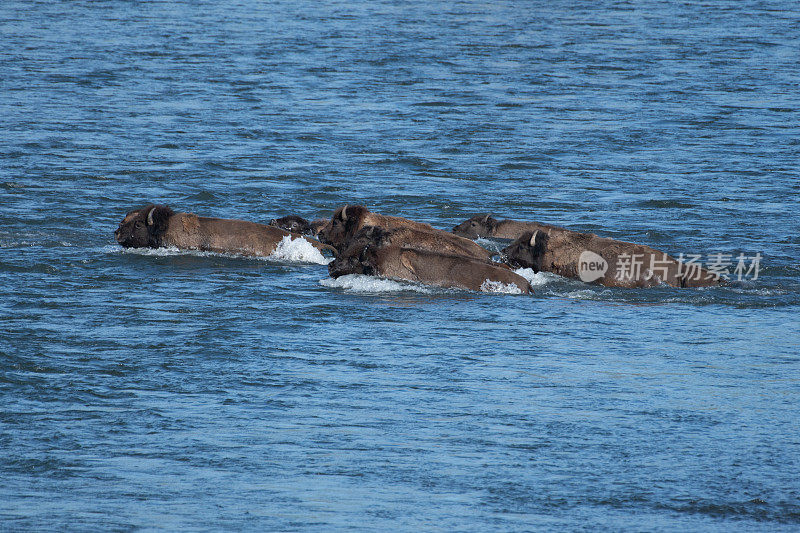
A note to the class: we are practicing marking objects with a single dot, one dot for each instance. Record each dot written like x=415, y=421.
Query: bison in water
x=349, y=222
x=296, y=224
x=486, y=226
x=156, y=226
x=609, y=262
x=349, y=219
x=424, y=266
x=433, y=241
x=292, y=224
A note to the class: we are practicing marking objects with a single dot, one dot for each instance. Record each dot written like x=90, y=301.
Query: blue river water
x=175, y=390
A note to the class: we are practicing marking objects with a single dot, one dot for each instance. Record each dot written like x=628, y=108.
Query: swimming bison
x=609, y=262
x=486, y=226
x=156, y=226
x=349, y=221
x=296, y=224
x=373, y=254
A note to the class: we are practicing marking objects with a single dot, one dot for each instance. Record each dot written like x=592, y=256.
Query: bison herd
x=363, y=242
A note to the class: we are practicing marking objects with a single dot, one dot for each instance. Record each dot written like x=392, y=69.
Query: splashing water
x=537, y=278
x=298, y=250
x=498, y=287
x=369, y=284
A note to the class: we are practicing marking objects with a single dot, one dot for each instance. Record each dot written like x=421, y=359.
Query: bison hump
x=191, y=223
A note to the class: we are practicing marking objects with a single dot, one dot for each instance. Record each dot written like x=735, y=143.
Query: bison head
x=357, y=259
x=527, y=251
x=143, y=227
x=359, y=254
x=477, y=226
x=318, y=226
x=291, y=223
x=343, y=224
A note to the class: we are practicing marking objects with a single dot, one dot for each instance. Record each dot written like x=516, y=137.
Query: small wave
x=298, y=250
x=409, y=162
x=435, y=103
x=583, y=294
x=498, y=287
x=518, y=166
x=666, y=204
x=203, y=196
x=290, y=250
x=369, y=284
x=214, y=165
x=537, y=279
x=157, y=252
x=758, y=291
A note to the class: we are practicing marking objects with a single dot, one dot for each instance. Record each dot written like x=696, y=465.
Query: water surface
x=173, y=390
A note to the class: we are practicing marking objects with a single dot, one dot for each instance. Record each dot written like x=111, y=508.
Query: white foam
x=298, y=250
x=498, y=287
x=369, y=284
x=600, y=293
x=537, y=279
x=763, y=291
x=158, y=252
x=583, y=294
x=291, y=250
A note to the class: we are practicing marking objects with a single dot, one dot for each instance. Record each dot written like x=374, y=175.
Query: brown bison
x=424, y=266
x=319, y=226
x=486, y=226
x=433, y=241
x=156, y=226
x=609, y=262
x=292, y=224
x=348, y=221
x=296, y=224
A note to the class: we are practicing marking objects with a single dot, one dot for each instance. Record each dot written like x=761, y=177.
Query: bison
x=434, y=241
x=292, y=224
x=609, y=262
x=486, y=226
x=296, y=224
x=348, y=221
x=319, y=226
x=424, y=266
x=156, y=226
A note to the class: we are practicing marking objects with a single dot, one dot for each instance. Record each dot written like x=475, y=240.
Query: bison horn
x=533, y=238
x=486, y=219
x=344, y=213
x=150, y=216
